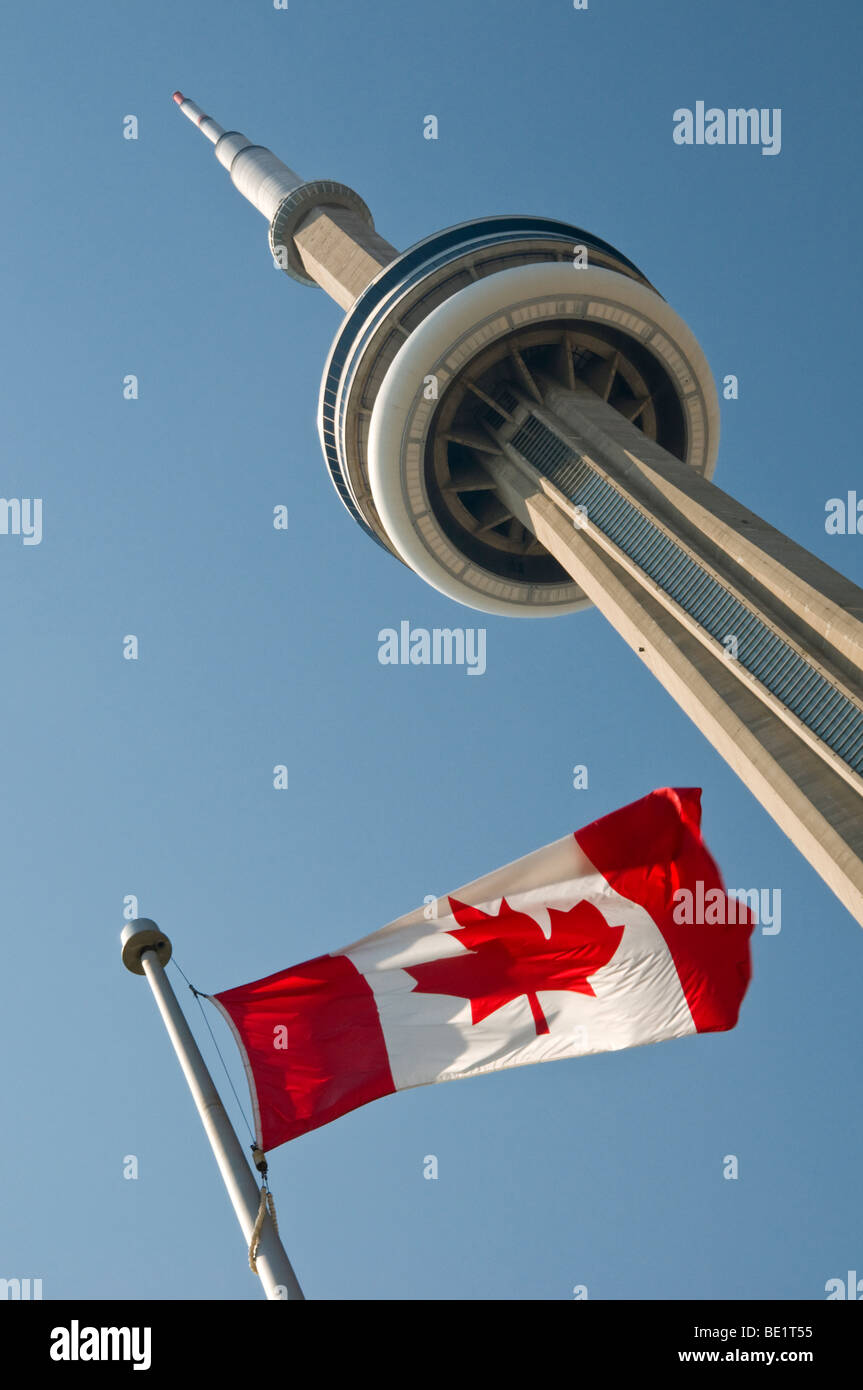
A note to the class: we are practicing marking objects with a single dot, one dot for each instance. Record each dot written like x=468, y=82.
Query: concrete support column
x=818, y=808
x=341, y=252
x=823, y=605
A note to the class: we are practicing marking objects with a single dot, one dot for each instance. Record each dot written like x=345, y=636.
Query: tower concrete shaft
x=320, y=232
x=758, y=642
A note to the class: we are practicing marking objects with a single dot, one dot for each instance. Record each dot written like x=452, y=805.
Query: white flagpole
x=145, y=951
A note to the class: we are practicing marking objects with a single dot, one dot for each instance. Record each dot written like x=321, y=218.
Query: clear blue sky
x=259, y=647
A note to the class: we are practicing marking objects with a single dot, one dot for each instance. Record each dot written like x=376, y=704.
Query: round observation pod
x=435, y=356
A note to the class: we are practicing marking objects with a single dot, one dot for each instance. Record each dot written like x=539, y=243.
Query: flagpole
x=145, y=950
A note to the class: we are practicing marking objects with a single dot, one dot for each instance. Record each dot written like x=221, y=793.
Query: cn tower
x=512, y=410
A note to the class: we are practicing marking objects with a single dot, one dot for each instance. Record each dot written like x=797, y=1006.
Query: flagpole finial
x=141, y=935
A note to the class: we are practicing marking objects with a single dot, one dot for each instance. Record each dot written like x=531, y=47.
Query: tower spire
x=255, y=172
x=205, y=124
x=321, y=232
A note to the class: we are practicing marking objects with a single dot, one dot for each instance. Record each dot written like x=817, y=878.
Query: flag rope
x=198, y=997
x=266, y=1204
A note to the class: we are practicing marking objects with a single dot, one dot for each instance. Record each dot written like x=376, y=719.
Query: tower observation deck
x=512, y=410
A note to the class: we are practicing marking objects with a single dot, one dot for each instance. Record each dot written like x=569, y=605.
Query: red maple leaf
x=509, y=956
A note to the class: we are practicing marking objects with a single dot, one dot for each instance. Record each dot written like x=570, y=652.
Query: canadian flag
x=571, y=950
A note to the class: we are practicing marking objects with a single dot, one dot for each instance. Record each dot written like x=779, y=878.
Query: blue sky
x=259, y=647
